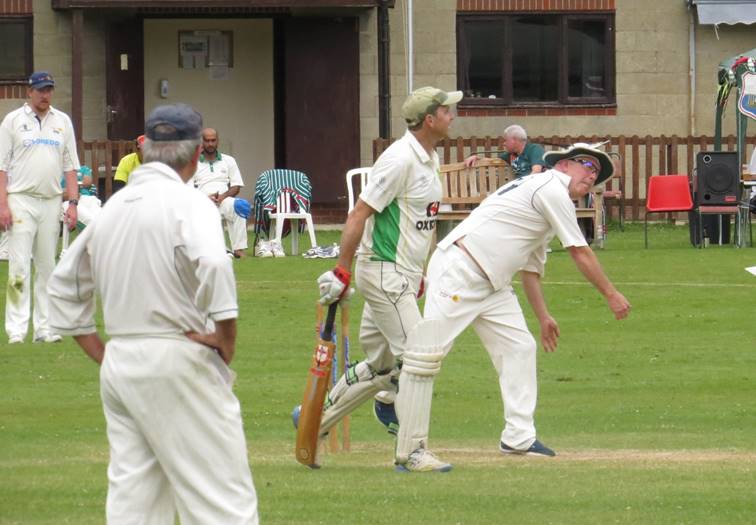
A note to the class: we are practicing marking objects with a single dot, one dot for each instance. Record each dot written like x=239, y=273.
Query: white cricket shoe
x=15, y=339
x=47, y=338
x=263, y=249
x=277, y=249
x=422, y=460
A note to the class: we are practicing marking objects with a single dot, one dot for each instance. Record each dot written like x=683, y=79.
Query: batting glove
x=333, y=285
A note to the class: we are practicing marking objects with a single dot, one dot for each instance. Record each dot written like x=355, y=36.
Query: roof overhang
x=189, y=4
x=725, y=11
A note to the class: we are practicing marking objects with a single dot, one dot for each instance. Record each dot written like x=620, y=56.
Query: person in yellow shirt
x=128, y=164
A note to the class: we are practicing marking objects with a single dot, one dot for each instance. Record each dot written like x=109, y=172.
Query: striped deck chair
x=268, y=186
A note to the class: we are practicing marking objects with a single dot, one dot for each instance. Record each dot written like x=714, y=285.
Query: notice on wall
x=207, y=49
x=192, y=50
x=218, y=73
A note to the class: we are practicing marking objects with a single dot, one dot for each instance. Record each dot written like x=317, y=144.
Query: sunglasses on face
x=591, y=165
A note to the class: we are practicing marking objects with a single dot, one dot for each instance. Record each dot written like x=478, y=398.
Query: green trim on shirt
x=386, y=233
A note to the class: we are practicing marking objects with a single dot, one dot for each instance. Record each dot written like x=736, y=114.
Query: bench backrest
x=462, y=185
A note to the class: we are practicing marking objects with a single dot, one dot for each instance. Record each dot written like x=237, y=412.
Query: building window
x=16, y=57
x=536, y=59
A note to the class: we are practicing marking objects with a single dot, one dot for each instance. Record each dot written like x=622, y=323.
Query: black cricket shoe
x=536, y=449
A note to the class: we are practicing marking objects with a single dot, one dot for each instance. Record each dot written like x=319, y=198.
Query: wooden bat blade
x=311, y=412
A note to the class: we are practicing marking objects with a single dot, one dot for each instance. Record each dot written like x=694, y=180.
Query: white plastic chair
x=364, y=175
x=283, y=212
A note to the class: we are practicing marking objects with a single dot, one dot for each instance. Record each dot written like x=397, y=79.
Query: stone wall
x=52, y=52
x=652, y=72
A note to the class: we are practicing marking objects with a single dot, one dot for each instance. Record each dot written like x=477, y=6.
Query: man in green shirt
x=524, y=157
x=128, y=164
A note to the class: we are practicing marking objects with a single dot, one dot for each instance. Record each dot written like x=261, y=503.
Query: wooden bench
x=465, y=188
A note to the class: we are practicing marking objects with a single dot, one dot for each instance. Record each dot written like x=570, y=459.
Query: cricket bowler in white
x=391, y=230
x=470, y=284
x=156, y=257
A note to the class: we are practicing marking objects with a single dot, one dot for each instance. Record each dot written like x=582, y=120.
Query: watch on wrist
x=73, y=201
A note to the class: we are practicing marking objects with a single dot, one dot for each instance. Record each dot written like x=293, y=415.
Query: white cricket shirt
x=511, y=229
x=405, y=191
x=218, y=175
x=35, y=153
x=156, y=256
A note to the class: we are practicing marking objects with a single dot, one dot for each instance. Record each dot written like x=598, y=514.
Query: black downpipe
x=384, y=84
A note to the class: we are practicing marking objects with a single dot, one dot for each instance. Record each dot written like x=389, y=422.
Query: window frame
x=563, y=98
x=28, y=22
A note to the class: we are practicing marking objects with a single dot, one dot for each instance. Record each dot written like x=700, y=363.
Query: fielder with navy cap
x=470, y=284
x=156, y=257
x=37, y=145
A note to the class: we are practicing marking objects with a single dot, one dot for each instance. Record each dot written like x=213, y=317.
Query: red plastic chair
x=667, y=193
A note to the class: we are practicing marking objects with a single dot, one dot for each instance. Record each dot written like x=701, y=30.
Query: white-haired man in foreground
x=156, y=257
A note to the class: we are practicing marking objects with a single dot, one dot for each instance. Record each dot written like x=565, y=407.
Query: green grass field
x=652, y=417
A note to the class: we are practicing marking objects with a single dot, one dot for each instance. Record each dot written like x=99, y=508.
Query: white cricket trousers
x=390, y=311
x=34, y=234
x=460, y=295
x=175, y=432
x=237, y=225
x=89, y=207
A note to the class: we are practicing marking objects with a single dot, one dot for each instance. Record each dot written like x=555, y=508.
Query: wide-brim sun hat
x=580, y=149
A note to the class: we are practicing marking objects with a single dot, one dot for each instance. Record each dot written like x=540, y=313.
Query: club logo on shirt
x=40, y=142
x=429, y=224
x=25, y=128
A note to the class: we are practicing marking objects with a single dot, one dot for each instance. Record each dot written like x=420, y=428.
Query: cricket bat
x=314, y=394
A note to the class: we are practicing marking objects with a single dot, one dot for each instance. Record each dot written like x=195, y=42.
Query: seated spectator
x=128, y=164
x=525, y=157
x=218, y=177
x=88, y=204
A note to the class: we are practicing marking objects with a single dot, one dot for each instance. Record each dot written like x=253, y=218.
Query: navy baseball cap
x=173, y=122
x=41, y=79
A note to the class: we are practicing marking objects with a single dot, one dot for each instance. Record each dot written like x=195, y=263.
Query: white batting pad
x=345, y=397
x=421, y=363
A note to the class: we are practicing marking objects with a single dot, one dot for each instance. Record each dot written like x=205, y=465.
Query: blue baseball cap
x=41, y=79
x=173, y=122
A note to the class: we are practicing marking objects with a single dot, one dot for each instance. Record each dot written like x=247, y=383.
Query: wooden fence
x=639, y=158
x=103, y=156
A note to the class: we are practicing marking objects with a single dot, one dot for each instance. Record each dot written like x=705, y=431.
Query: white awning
x=725, y=11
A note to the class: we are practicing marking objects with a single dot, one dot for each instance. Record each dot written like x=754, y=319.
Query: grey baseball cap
x=581, y=149
x=173, y=122
x=424, y=101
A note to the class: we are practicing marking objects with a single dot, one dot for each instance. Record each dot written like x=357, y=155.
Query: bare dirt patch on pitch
x=472, y=455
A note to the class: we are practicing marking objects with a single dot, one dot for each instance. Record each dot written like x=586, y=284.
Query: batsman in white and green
x=404, y=190
x=396, y=215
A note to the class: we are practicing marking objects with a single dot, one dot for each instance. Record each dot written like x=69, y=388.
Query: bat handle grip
x=327, y=333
